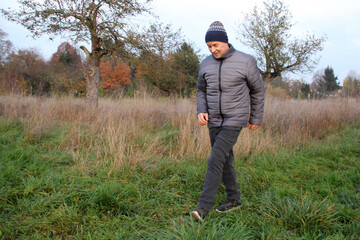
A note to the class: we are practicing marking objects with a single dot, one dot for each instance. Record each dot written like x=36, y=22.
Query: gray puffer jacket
x=230, y=89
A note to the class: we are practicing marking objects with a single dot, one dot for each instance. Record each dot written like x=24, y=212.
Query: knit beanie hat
x=216, y=32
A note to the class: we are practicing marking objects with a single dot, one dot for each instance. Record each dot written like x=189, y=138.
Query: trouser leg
x=222, y=140
x=230, y=180
x=229, y=177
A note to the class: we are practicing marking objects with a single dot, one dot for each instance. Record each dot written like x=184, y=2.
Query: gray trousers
x=220, y=167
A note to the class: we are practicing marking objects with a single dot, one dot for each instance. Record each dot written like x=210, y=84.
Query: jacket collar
x=228, y=53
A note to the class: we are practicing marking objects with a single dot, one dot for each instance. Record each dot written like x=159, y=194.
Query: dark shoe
x=229, y=206
x=199, y=214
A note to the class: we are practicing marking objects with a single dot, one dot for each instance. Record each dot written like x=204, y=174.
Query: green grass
x=312, y=192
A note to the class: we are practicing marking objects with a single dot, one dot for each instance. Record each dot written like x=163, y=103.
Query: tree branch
x=86, y=51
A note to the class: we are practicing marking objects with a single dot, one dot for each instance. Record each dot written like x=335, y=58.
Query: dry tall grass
x=142, y=131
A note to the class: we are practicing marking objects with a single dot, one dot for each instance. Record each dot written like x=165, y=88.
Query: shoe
x=229, y=206
x=199, y=214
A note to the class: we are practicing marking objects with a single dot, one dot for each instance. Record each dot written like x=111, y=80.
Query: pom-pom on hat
x=216, y=32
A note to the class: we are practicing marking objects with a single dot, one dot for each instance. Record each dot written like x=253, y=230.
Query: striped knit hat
x=216, y=32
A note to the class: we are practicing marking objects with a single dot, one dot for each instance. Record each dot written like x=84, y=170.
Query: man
x=230, y=96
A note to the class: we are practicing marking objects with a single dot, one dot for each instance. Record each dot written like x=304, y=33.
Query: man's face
x=217, y=49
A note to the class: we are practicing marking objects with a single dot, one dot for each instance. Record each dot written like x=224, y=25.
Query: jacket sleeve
x=257, y=92
x=201, y=94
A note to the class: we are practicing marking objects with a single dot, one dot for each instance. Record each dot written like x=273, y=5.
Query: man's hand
x=252, y=126
x=203, y=118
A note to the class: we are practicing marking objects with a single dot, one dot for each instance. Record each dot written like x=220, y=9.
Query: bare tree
x=6, y=48
x=267, y=32
x=102, y=23
x=351, y=85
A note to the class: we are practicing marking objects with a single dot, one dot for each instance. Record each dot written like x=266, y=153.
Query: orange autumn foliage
x=114, y=75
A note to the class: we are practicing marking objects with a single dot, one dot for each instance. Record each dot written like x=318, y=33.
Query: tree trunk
x=92, y=76
x=92, y=82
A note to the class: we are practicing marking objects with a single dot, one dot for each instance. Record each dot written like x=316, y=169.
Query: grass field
x=133, y=169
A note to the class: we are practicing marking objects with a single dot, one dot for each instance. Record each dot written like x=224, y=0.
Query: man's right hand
x=203, y=118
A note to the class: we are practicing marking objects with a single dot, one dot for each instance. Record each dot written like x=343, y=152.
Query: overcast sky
x=338, y=20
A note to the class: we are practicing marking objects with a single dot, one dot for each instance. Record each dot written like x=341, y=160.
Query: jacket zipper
x=220, y=110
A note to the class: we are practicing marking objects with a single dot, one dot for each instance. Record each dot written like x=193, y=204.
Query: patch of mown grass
x=308, y=193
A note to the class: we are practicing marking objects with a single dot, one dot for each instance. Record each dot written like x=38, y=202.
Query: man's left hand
x=252, y=126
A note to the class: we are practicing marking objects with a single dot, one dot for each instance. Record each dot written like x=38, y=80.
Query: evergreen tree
x=330, y=80
x=305, y=90
x=325, y=82
x=187, y=61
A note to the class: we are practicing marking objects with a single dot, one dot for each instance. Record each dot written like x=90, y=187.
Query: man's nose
x=212, y=49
